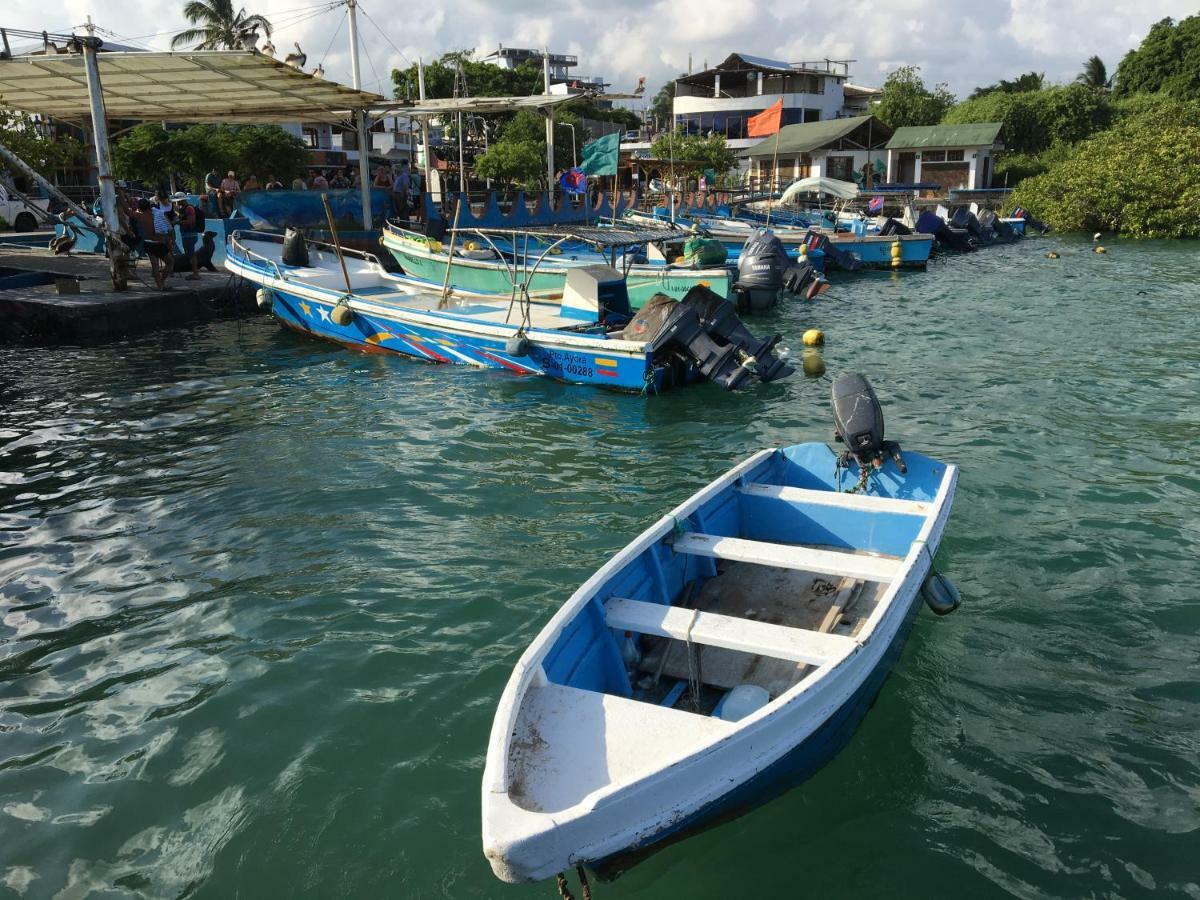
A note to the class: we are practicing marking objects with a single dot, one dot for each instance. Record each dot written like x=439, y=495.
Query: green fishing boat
x=492, y=263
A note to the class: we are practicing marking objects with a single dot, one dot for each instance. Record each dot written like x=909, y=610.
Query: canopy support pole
x=549, y=125
x=360, y=121
x=429, y=166
x=118, y=256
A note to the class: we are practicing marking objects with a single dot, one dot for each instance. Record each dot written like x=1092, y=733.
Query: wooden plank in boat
x=712, y=629
x=789, y=556
x=862, y=502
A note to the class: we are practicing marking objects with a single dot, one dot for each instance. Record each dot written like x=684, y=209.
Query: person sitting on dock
x=299, y=184
x=273, y=184
x=339, y=181
x=191, y=223
x=383, y=178
x=320, y=182
x=228, y=194
x=251, y=184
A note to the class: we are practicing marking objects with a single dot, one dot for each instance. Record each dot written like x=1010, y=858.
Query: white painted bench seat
x=715, y=630
x=859, y=502
x=789, y=556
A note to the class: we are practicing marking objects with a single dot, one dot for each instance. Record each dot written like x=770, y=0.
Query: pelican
x=268, y=48
x=298, y=59
x=319, y=71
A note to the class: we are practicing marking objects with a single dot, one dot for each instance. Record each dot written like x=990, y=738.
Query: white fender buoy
x=265, y=299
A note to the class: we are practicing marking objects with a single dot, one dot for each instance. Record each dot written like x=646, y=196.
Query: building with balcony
x=720, y=100
x=562, y=80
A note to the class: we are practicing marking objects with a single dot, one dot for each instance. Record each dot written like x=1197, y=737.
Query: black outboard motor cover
x=857, y=415
x=295, y=249
x=894, y=226
x=858, y=422
x=803, y=279
x=760, y=269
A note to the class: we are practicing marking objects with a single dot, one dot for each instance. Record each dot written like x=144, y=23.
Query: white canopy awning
x=189, y=86
x=843, y=190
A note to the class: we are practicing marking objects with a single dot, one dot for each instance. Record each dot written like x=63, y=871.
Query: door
x=908, y=168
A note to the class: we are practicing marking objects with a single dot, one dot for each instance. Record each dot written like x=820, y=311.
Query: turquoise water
x=259, y=595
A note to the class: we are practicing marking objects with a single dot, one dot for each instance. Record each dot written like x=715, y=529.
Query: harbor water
x=259, y=596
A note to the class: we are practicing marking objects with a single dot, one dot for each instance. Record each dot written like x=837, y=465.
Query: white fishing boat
x=724, y=655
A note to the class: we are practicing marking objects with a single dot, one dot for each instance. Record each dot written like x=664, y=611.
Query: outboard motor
x=847, y=260
x=858, y=423
x=760, y=271
x=1003, y=231
x=295, y=248
x=894, y=226
x=803, y=280
x=954, y=238
x=704, y=327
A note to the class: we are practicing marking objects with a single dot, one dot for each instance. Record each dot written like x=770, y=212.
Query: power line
x=336, y=32
x=403, y=56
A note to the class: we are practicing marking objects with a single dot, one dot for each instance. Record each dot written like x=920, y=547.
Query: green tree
x=1030, y=81
x=1168, y=60
x=1094, y=74
x=267, y=149
x=1036, y=120
x=152, y=155
x=906, y=100
x=662, y=107
x=693, y=154
x=145, y=154
x=46, y=154
x=479, y=79
x=1140, y=178
x=215, y=26
x=513, y=163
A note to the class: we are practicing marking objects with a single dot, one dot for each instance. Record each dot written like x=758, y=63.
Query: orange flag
x=766, y=122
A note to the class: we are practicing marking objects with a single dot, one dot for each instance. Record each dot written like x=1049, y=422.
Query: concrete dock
x=54, y=312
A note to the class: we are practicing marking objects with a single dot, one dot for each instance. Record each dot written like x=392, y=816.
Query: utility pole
x=360, y=121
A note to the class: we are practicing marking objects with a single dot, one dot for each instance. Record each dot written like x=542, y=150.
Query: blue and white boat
x=723, y=656
x=587, y=334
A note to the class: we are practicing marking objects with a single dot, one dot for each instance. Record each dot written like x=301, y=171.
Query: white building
x=721, y=99
x=562, y=81
x=846, y=149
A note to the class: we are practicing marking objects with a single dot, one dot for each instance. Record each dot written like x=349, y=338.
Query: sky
x=962, y=44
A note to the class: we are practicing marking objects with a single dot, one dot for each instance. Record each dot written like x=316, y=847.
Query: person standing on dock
x=212, y=187
x=401, y=185
x=416, y=195
x=154, y=242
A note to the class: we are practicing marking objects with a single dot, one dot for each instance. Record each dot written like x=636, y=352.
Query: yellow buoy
x=814, y=337
x=1051, y=255
x=470, y=245
x=342, y=315
x=1100, y=250
x=814, y=365
x=897, y=253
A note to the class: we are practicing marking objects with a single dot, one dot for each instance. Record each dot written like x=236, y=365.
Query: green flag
x=600, y=156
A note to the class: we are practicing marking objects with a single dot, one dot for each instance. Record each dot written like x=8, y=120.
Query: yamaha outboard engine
x=858, y=423
x=760, y=271
x=295, y=249
x=803, y=280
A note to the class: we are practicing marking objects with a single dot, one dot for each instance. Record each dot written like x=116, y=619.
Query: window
x=930, y=156
x=954, y=156
x=310, y=138
x=840, y=167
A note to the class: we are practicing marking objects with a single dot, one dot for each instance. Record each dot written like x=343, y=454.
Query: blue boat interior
x=788, y=504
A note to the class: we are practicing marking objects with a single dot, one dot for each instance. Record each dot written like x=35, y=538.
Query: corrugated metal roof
x=812, y=135
x=189, y=86
x=974, y=134
x=759, y=61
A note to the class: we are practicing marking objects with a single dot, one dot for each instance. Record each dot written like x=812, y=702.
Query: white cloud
x=963, y=44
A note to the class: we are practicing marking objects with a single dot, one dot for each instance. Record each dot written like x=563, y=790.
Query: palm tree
x=1094, y=74
x=218, y=27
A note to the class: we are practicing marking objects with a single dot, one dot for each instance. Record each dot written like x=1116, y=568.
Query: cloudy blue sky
x=961, y=43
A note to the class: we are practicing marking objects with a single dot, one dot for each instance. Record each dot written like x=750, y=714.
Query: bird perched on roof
x=641, y=87
x=298, y=59
x=268, y=48
x=319, y=71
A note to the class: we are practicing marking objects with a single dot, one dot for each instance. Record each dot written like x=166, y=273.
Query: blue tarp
x=276, y=210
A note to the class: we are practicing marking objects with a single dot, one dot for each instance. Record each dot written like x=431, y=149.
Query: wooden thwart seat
x=788, y=556
x=711, y=629
x=859, y=502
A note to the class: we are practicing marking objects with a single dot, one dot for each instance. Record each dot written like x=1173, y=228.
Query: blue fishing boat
x=724, y=655
x=587, y=334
